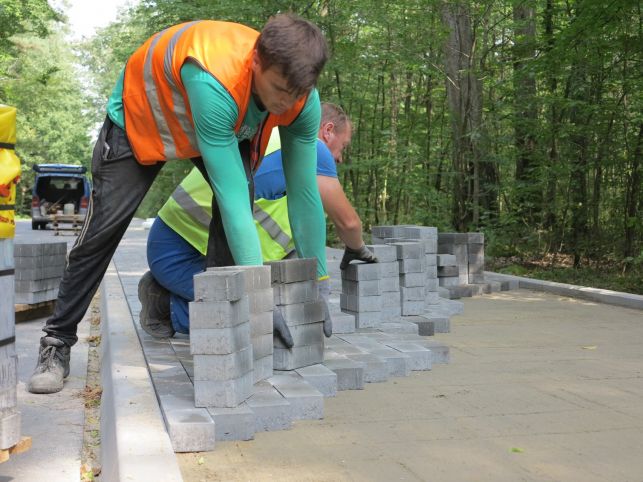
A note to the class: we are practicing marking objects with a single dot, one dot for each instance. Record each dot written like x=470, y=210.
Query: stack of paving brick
x=260, y=300
x=412, y=269
x=39, y=267
x=390, y=281
x=447, y=270
x=428, y=237
x=475, y=257
x=362, y=294
x=9, y=415
x=220, y=339
x=294, y=282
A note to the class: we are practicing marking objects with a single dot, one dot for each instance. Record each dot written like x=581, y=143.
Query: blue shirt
x=270, y=182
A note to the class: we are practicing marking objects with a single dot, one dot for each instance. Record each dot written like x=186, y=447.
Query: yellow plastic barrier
x=9, y=171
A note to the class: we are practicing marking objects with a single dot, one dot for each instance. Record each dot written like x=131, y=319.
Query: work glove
x=323, y=288
x=360, y=254
x=280, y=328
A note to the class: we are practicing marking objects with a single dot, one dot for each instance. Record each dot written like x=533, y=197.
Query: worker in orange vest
x=211, y=92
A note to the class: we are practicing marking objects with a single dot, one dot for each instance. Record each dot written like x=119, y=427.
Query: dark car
x=61, y=190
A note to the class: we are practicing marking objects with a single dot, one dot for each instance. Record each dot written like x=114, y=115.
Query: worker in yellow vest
x=177, y=242
x=210, y=92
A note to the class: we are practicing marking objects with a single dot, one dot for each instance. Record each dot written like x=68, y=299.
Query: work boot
x=52, y=368
x=155, y=308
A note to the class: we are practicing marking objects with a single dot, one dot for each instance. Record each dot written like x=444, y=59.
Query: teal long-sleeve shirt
x=214, y=114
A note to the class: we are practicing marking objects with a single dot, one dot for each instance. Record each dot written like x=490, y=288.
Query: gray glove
x=280, y=328
x=324, y=293
x=360, y=254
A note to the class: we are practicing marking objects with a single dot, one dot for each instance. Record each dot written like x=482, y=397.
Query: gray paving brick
x=439, y=351
x=262, y=368
x=39, y=273
x=219, y=314
x=426, y=326
x=475, y=238
x=297, y=292
x=408, y=250
x=446, y=260
x=303, y=313
x=320, y=377
x=223, y=367
x=400, y=326
x=419, y=232
x=362, y=288
x=386, y=231
x=410, y=280
x=390, y=285
x=448, y=281
x=261, y=301
x=476, y=278
x=431, y=259
x=431, y=272
x=219, y=341
x=303, y=335
x=8, y=398
x=297, y=357
x=409, y=307
x=398, y=363
x=262, y=346
x=431, y=246
x=453, y=238
x=384, y=252
x=36, y=296
x=39, y=262
x=411, y=265
x=231, y=424
x=343, y=322
x=362, y=272
x=390, y=269
x=216, y=285
x=22, y=249
x=271, y=410
x=292, y=270
x=36, y=285
x=432, y=284
x=375, y=368
x=306, y=402
x=390, y=312
x=431, y=298
x=420, y=356
x=360, y=303
x=256, y=277
x=447, y=271
x=261, y=323
x=222, y=393
x=411, y=294
x=350, y=373
x=390, y=298
x=365, y=319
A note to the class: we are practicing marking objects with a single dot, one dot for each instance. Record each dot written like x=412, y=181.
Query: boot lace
x=48, y=356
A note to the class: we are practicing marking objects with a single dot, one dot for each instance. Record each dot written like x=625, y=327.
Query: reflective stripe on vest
x=203, y=217
x=277, y=234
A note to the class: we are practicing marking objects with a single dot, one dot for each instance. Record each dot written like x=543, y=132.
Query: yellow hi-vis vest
x=9, y=171
x=189, y=211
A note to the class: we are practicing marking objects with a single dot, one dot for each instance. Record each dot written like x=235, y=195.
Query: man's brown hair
x=335, y=114
x=294, y=46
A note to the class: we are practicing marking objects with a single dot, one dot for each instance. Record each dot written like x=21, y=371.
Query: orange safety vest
x=158, y=120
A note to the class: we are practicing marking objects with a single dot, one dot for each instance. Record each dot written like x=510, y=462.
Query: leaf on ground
x=200, y=461
x=517, y=450
x=589, y=347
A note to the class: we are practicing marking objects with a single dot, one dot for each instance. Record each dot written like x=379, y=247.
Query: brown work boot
x=155, y=308
x=52, y=368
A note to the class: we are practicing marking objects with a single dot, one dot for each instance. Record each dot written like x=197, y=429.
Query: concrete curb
x=599, y=295
x=134, y=443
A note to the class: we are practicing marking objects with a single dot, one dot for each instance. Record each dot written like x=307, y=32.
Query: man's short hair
x=294, y=46
x=335, y=114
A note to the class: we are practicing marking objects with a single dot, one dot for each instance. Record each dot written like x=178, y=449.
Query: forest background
x=520, y=119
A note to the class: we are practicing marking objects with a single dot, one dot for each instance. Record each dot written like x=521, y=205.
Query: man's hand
x=324, y=293
x=280, y=328
x=360, y=254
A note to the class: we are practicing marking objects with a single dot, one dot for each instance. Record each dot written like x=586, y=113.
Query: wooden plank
x=22, y=446
x=26, y=312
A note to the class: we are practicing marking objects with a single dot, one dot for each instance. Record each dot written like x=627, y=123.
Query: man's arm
x=340, y=211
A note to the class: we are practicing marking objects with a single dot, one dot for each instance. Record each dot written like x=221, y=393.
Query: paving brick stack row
x=362, y=293
x=260, y=299
x=412, y=268
x=294, y=282
x=475, y=253
x=39, y=267
x=447, y=270
x=461, y=267
x=220, y=339
x=9, y=415
x=390, y=281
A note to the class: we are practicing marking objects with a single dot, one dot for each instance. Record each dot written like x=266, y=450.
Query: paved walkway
x=538, y=388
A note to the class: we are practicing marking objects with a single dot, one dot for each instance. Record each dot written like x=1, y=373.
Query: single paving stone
x=236, y=423
x=343, y=322
x=302, y=313
x=408, y=250
x=223, y=393
x=360, y=303
x=303, y=335
x=293, y=270
x=262, y=368
x=398, y=363
x=307, y=403
x=190, y=429
x=297, y=356
x=297, y=292
x=214, y=285
x=375, y=368
x=385, y=253
x=366, y=319
x=262, y=346
x=271, y=410
x=409, y=265
x=321, y=378
x=350, y=374
x=389, y=269
x=219, y=314
x=362, y=272
x=361, y=288
x=261, y=324
x=398, y=327
x=223, y=367
x=439, y=351
x=420, y=356
x=219, y=341
x=261, y=301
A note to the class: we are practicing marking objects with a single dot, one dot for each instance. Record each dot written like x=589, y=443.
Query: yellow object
x=9, y=171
